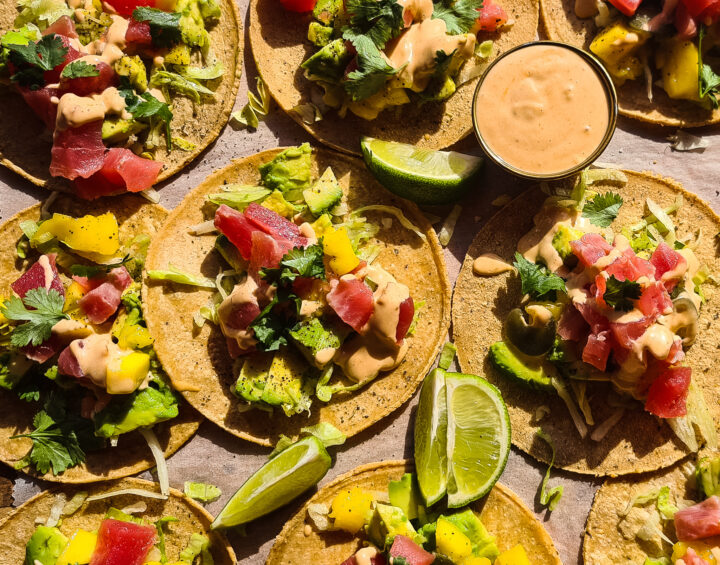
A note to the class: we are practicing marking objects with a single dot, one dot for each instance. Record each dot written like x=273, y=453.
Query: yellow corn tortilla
x=639, y=442
x=16, y=529
x=604, y=543
x=132, y=454
x=561, y=24
x=502, y=513
x=198, y=362
x=278, y=39
x=25, y=143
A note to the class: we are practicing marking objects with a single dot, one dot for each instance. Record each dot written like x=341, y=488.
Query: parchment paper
x=218, y=458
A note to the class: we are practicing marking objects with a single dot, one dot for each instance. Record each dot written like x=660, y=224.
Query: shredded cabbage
x=256, y=109
x=684, y=141
x=448, y=228
x=213, y=71
x=151, y=194
x=203, y=492
x=309, y=113
x=56, y=510
x=407, y=224
x=239, y=196
x=126, y=491
x=176, y=275
x=202, y=228
x=559, y=386
x=74, y=504
x=160, y=462
x=179, y=84
x=602, y=430
x=41, y=12
x=549, y=497
x=199, y=545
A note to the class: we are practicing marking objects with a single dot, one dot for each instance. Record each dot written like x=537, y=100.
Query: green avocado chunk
x=315, y=334
x=513, y=367
x=325, y=194
x=45, y=546
x=325, y=11
x=319, y=34
x=142, y=408
x=483, y=544
x=404, y=495
x=562, y=238
x=329, y=63
x=115, y=130
x=388, y=521
x=290, y=172
x=230, y=253
x=134, y=69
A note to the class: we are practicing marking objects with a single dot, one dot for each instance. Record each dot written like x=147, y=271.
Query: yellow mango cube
x=451, y=542
x=680, y=69
x=339, y=251
x=126, y=373
x=349, y=509
x=79, y=549
x=476, y=561
x=90, y=234
x=134, y=336
x=73, y=293
x=704, y=550
x=616, y=46
x=514, y=556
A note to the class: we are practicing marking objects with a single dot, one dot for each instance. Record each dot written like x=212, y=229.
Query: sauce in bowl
x=544, y=110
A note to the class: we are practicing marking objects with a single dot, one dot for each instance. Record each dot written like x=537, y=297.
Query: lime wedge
x=282, y=478
x=478, y=438
x=421, y=175
x=431, y=438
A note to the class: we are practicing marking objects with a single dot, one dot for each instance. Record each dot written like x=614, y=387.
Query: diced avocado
x=45, y=546
x=115, y=514
x=209, y=10
x=325, y=11
x=404, y=494
x=708, y=476
x=388, y=521
x=91, y=24
x=562, y=238
x=319, y=34
x=324, y=194
x=562, y=352
x=439, y=89
x=321, y=225
x=134, y=69
x=314, y=335
x=289, y=172
x=277, y=203
x=483, y=544
x=192, y=26
x=13, y=367
x=230, y=253
x=145, y=407
x=116, y=130
x=513, y=367
x=329, y=63
x=178, y=55
x=253, y=375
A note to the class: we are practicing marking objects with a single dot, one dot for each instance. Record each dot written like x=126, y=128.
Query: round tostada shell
x=502, y=512
x=278, y=39
x=25, y=143
x=132, y=454
x=640, y=442
x=603, y=543
x=16, y=529
x=561, y=24
x=198, y=361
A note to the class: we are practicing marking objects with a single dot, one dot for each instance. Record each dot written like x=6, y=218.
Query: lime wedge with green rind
x=478, y=438
x=431, y=438
x=421, y=175
x=283, y=478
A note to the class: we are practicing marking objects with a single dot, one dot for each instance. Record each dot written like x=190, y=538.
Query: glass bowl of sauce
x=544, y=110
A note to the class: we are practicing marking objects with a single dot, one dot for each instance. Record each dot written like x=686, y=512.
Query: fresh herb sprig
x=164, y=26
x=536, y=280
x=380, y=20
x=40, y=309
x=33, y=59
x=459, y=15
x=372, y=70
x=708, y=80
x=79, y=69
x=603, y=209
x=620, y=294
x=147, y=108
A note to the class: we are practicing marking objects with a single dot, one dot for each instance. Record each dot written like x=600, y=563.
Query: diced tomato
x=411, y=552
x=491, y=17
x=138, y=33
x=44, y=351
x=62, y=26
x=35, y=277
x=85, y=86
x=39, y=102
x=78, y=152
x=669, y=265
x=236, y=227
x=625, y=334
x=126, y=7
x=274, y=224
x=266, y=251
x=102, y=301
x=300, y=6
x=684, y=23
x=692, y=558
x=627, y=7
x=668, y=392
x=597, y=350
x=352, y=300
x=122, y=543
x=654, y=301
x=589, y=248
x=630, y=267
x=405, y=318
x=702, y=520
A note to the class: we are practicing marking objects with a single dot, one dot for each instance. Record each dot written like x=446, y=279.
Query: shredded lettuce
x=698, y=418
x=602, y=430
x=75, y=503
x=256, y=109
x=319, y=514
x=328, y=434
x=176, y=275
x=203, y=492
x=126, y=491
x=198, y=545
x=447, y=355
x=359, y=230
x=707, y=475
x=211, y=72
x=579, y=388
x=661, y=498
x=563, y=393
x=179, y=84
x=407, y=224
x=160, y=462
x=309, y=113
x=239, y=196
x=448, y=228
x=663, y=222
x=549, y=497
x=477, y=65
x=419, y=305
x=202, y=228
x=41, y=12
x=22, y=36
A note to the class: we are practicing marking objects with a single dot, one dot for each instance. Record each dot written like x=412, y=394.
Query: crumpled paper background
x=221, y=459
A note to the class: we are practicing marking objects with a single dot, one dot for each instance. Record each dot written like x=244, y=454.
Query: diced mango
x=679, y=68
x=79, y=549
x=514, y=556
x=90, y=234
x=133, y=336
x=350, y=508
x=617, y=46
x=451, y=542
x=73, y=293
x=704, y=550
x=476, y=561
x=339, y=251
x=126, y=373
x=321, y=225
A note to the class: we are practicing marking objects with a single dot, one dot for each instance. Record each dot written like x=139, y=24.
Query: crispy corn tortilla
x=561, y=24
x=198, y=361
x=25, y=143
x=640, y=442
x=16, y=529
x=604, y=543
x=132, y=455
x=502, y=513
x=278, y=39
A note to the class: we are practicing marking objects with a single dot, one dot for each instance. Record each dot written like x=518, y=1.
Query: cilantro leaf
x=147, y=108
x=620, y=294
x=33, y=59
x=380, y=20
x=164, y=26
x=442, y=62
x=298, y=262
x=536, y=280
x=459, y=15
x=269, y=327
x=79, y=69
x=46, y=309
x=708, y=80
x=603, y=209
x=372, y=71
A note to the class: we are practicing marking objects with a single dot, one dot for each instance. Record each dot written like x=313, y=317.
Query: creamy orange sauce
x=542, y=109
x=74, y=110
x=489, y=264
x=93, y=354
x=243, y=293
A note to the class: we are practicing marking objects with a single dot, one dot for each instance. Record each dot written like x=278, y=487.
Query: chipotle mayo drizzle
x=243, y=293
x=542, y=109
x=93, y=354
x=489, y=264
x=44, y=262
